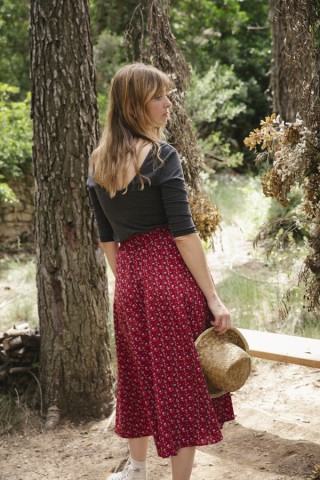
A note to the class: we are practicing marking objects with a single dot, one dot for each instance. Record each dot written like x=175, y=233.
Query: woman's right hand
x=191, y=250
x=222, y=320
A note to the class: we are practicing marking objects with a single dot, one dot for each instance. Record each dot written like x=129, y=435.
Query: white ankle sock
x=138, y=465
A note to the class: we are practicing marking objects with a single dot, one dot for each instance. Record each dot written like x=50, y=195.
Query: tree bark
x=293, y=58
x=72, y=298
x=283, y=103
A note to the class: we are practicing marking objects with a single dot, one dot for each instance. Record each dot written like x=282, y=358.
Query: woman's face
x=158, y=110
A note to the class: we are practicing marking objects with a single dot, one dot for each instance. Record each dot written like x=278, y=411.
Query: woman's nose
x=168, y=103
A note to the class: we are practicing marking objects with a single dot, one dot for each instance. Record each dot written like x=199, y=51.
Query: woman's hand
x=190, y=248
x=222, y=321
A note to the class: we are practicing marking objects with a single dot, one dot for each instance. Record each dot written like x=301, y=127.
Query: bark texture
x=72, y=297
x=293, y=81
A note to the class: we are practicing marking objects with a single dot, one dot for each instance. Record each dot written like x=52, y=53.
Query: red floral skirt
x=159, y=311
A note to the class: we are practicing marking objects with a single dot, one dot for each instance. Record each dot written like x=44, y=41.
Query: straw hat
x=224, y=360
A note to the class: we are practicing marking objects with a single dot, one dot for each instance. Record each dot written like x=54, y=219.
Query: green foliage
x=18, y=272
x=253, y=58
x=212, y=97
x=8, y=91
x=14, y=43
x=109, y=56
x=237, y=34
x=213, y=101
x=240, y=201
x=205, y=31
x=113, y=15
x=16, y=134
x=103, y=102
x=6, y=193
x=218, y=151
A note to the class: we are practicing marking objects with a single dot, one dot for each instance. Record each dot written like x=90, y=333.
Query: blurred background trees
x=244, y=56
x=228, y=45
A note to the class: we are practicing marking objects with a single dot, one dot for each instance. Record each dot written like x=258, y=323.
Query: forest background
x=237, y=74
x=229, y=48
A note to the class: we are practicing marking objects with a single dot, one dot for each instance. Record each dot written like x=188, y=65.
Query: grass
x=240, y=201
x=10, y=416
x=16, y=415
x=18, y=301
x=262, y=293
x=253, y=303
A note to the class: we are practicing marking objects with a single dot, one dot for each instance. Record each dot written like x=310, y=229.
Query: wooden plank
x=283, y=348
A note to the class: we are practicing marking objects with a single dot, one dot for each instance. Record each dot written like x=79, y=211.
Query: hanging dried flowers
x=290, y=155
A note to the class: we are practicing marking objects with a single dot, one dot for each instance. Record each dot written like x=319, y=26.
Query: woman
x=164, y=293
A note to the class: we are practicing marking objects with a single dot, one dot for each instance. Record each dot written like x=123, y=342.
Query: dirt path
x=276, y=436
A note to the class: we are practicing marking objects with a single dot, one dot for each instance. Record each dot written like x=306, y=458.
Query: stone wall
x=16, y=221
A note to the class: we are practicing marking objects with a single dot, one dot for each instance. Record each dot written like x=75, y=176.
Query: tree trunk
x=283, y=102
x=292, y=67
x=72, y=298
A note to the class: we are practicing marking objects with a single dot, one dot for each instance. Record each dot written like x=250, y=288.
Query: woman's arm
x=111, y=250
x=192, y=252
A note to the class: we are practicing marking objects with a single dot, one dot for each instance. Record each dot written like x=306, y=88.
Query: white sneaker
x=129, y=473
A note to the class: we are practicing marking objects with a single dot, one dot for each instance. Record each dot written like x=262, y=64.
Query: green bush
x=15, y=139
x=214, y=100
x=6, y=193
x=16, y=134
x=14, y=44
x=109, y=56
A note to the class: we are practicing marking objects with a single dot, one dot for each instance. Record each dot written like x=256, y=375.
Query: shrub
x=213, y=102
x=15, y=140
x=16, y=130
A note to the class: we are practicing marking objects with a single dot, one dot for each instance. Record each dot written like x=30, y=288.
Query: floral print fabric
x=159, y=311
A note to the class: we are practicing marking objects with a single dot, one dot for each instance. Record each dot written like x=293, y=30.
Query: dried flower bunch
x=205, y=215
x=289, y=151
x=291, y=154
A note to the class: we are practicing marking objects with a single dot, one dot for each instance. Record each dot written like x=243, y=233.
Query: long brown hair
x=127, y=121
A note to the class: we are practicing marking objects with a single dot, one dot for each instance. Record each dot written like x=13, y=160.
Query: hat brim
x=231, y=335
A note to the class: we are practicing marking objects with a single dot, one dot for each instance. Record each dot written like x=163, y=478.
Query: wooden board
x=283, y=348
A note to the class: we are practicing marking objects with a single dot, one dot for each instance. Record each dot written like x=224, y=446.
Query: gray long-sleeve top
x=163, y=201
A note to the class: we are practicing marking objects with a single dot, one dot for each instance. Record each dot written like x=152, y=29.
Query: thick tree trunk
x=284, y=103
x=72, y=297
x=292, y=66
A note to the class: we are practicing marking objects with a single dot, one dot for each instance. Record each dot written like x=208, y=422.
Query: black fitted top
x=163, y=201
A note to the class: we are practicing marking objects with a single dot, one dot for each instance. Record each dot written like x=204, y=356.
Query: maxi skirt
x=159, y=311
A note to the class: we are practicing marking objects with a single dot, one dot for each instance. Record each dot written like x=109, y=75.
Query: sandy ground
x=276, y=436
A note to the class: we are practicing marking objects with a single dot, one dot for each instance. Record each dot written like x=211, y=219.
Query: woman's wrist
x=211, y=293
